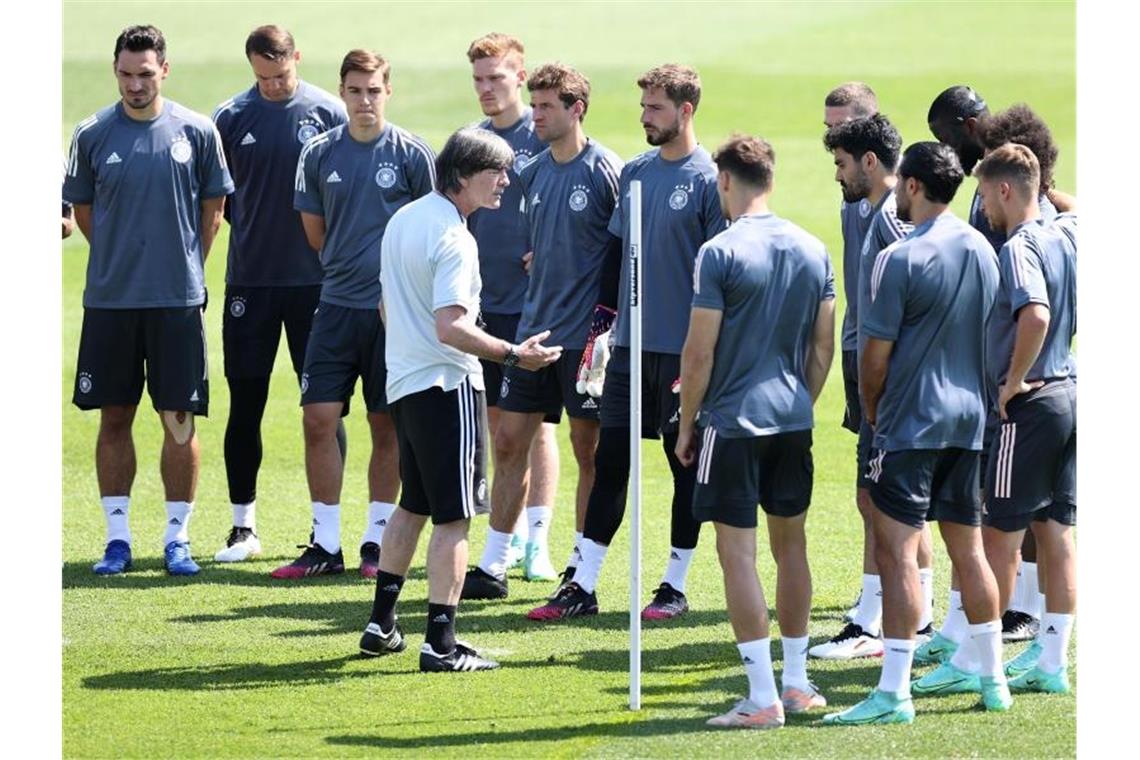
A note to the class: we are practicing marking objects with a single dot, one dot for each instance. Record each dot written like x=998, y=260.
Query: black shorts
x=853, y=407
x=119, y=349
x=500, y=326
x=443, y=452
x=251, y=327
x=1032, y=471
x=988, y=434
x=660, y=403
x=863, y=454
x=548, y=390
x=345, y=344
x=916, y=485
x=736, y=474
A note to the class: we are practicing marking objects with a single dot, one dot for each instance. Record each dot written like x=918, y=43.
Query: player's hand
x=206, y=299
x=1009, y=391
x=527, y=258
x=592, y=370
x=533, y=355
x=686, y=449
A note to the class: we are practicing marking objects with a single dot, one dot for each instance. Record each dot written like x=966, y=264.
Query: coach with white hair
x=430, y=303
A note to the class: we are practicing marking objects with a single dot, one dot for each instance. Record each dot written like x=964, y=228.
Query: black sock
x=243, y=436
x=606, y=507
x=684, y=530
x=387, y=592
x=441, y=627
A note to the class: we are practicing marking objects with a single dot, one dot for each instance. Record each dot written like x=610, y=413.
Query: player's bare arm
x=696, y=367
x=314, y=225
x=456, y=328
x=822, y=349
x=83, y=219
x=212, y=210
x=873, y=375
x=1032, y=325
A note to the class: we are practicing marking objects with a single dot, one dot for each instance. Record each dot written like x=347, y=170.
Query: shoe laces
x=665, y=595
x=568, y=592
x=850, y=631
x=236, y=534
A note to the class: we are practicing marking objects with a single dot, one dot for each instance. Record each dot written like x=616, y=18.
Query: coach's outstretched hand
x=533, y=355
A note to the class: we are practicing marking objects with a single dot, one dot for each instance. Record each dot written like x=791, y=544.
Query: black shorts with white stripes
x=736, y=474
x=1032, y=467
x=916, y=485
x=443, y=452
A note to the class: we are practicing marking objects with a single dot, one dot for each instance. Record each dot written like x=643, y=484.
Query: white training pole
x=635, y=444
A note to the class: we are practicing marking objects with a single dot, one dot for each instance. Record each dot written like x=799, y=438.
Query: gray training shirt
x=567, y=208
x=768, y=276
x=680, y=210
x=855, y=221
x=502, y=232
x=933, y=294
x=997, y=238
x=886, y=229
x=1038, y=265
x=357, y=187
x=145, y=182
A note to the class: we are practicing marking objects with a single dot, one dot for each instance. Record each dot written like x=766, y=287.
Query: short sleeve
x=712, y=217
x=455, y=263
x=213, y=172
x=889, y=282
x=708, y=278
x=828, y=292
x=79, y=179
x=420, y=169
x=616, y=224
x=307, y=181
x=1021, y=274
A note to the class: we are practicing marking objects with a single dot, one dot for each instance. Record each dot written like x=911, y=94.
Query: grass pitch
x=232, y=664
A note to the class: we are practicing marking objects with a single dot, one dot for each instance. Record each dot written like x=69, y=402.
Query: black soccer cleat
x=313, y=561
x=479, y=584
x=462, y=659
x=563, y=581
x=369, y=559
x=375, y=642
x=1018, y=626
x=572, y=601
x=667, y=604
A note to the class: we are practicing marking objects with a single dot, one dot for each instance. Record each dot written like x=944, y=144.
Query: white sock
x=966, y=656
x=898, y=654
x=115, y=510
x=926, y=578
x=379, y=513
x=677, y=568
x=576, y=552
x=987, y=644
x=1056, y=628
x=177, y=521
x=1038, y=605
x=520, y=530
x=593, y=555
x=538, y=527
x=495, y=553
x=795, y=662
x=326, y=526
x=245, y=516
x=757, y=658
x=954, y=626
x=869, y=614
x=1024, y=598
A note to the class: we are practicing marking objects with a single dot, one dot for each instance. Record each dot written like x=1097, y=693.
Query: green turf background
x=229, y=664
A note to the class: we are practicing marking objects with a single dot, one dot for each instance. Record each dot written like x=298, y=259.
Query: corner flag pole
x=635, y=444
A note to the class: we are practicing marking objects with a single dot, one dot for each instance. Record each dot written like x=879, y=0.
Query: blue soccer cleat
x=177, y=558
x=116, y=559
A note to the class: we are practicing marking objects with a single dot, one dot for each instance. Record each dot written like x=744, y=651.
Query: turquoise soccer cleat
x=1037, y=679
x=1024, y=662
x=877, y=709
x=936, y=651
x=946, y=679
x=995, y=694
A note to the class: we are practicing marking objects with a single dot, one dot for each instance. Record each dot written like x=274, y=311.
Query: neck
x=680, y=146
x=461, y=202
x=566, y=148
x=145, y=114
x=749, y=205
x=366, y=134
x=1021, y=215
x=508, y=115
x=881, y=187
x=922, y=211
x=288, y=95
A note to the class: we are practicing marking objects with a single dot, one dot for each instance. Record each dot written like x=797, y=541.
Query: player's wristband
x=511, y=359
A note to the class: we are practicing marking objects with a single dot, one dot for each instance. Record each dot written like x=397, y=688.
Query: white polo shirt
x=428, y=260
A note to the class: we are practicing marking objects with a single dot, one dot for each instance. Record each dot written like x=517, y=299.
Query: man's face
x=365, y=95
x=959, y=136
x=903, y=193
x=659, y=116
x=276, y=80
x=140, y=77
x=497, y=82
x=486, y=187
x=852, y=179
x=833, y=115
x=991, y=194
x=552, y=120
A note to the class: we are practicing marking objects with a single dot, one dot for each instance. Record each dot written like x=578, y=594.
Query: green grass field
x=232, y=664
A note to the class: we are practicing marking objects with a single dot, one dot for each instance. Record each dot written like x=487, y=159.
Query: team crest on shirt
x=307, y=129
x=180, y=150
x=84, y=382
x=679, y=198
x=237, y=307
x=386, y=175
x=579, y=197
x=864, y=208
x=522, y=158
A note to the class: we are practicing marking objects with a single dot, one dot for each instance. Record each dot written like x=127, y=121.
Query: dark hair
x=858, y=95
x=140, y=38
x=956, y=104
x=469, y=151
x=747, y=158
x=936, y=166
x=271, y=42
x=1018, y=124
x=570, y=84
x=681, y=84
x=871, y=133
x=495, y=45
x=366, y=62
x=1015, y=164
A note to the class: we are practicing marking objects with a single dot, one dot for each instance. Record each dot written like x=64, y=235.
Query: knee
x=116, y=420
x=864, y=504
x=179, y=426
x=789, y=549
x=584, y=444
x=317, y=426
x=510, y=448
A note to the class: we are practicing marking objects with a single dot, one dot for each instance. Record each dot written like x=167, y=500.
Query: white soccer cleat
x=242, y=544
x=850, y=643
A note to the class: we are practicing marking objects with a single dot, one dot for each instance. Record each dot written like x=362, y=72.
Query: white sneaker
x=848, y=644
x=242, y=544
x=536, y=565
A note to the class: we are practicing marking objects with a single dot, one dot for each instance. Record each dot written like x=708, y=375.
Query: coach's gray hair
x=470, y=151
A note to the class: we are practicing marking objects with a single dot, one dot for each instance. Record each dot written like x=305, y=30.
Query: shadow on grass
x=149, y=573
x=228, y=677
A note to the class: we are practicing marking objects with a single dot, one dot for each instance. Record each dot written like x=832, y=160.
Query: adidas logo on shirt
x=113, y=159
x=441, y=618
x=334, y=177
x=249, y=139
